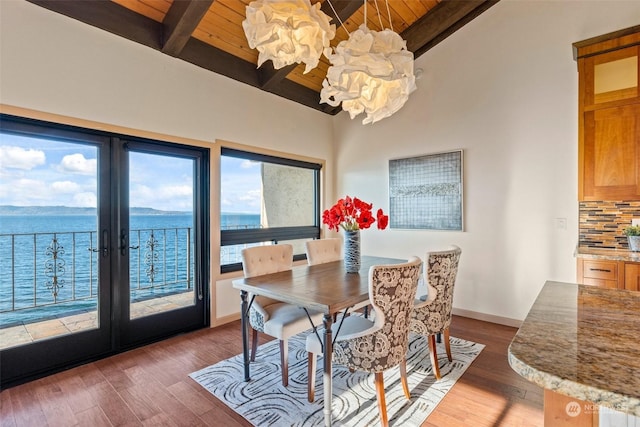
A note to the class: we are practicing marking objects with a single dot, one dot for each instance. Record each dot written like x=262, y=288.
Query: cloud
x=170, y=191
x=65, y=186
x=24, y=191
x=19, y=158
x=85, y=200
x=248, y=164
x=77, y=163
x=251, y=198
x=167, y=197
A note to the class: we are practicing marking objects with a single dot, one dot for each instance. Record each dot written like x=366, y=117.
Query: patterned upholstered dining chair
x=381, y=344
x=277, y=319
x=320, y=251
x=433, y=316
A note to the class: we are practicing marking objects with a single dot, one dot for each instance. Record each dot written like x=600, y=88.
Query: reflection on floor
x=26, y=333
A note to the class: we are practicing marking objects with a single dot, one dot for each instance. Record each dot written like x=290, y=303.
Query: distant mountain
x=8, y=210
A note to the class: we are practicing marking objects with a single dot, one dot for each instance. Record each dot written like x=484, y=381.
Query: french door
x=103, y=245
x=161, y=230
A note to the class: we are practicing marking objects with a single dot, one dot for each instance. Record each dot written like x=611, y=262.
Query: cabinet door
x=632, y=276
x=611, y=77
x=612, y=153
x=599, y=273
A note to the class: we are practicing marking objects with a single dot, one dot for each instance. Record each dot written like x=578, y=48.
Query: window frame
x=272, y=234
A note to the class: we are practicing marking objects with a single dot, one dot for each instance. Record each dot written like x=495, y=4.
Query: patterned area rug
x=264, y=401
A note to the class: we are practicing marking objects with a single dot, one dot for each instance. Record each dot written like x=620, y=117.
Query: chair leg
x=311, y=376
x=284, y=362
x=447, y=344
x=382, y=404
x=403, y=377
x=433, y=352
x=254, y=344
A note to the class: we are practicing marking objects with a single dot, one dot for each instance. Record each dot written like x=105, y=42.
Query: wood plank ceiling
x=209, y=34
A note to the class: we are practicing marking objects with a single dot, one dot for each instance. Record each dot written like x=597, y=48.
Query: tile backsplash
x=601, y=223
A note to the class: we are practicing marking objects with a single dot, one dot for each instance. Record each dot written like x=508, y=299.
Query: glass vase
x=352, y=251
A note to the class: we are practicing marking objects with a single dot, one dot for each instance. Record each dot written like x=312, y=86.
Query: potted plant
x=633, y=237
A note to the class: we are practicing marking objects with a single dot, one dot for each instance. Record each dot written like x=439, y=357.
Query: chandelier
x=288, y=32
x=370, y=72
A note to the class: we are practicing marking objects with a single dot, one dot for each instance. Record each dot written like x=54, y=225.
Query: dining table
x=326, y=288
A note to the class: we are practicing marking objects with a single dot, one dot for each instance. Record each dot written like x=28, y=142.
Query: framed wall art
x=425, y=192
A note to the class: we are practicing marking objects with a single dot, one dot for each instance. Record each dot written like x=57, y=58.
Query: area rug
x=264, y=401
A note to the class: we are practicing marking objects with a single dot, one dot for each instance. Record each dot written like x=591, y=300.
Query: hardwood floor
x=150, y=386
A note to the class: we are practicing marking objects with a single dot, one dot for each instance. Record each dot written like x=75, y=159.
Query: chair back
x=392, y=289
x=434, y=315
x=260, y=260
x=323, y=250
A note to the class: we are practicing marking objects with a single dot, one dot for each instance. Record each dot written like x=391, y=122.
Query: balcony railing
x=44, y=269
x=39, y=270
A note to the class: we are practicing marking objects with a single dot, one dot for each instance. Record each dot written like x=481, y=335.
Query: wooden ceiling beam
x=180, y=22
x=223, y=63
x=119, y=20
x=270, y=77
x=444, y=19
x=173, y=37
x=110, y=17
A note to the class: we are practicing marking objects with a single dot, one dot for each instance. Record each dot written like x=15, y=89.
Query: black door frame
x=27, y=362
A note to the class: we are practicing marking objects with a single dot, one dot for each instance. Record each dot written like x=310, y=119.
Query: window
x=266, y=200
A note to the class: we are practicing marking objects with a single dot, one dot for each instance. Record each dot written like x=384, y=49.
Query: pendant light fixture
x=371, y=72
x=288, y=32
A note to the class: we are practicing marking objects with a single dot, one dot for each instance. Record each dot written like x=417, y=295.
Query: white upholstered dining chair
x=275, y=318
x=375, y=346
x=433, y=316
x=320, y=251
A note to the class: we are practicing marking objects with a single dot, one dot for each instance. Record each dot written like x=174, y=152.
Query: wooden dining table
x=327, y=288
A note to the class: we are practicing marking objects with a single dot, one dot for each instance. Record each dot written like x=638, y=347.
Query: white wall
x=504, y=89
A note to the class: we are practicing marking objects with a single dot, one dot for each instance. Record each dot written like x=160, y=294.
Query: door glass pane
x=616, y=79
x=161, y=239
x=48, y=239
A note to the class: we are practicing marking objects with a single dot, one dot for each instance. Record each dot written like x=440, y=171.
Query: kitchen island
x=582, y=345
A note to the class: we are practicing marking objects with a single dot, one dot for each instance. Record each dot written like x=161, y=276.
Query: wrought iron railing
x=54, y=268
x=44, y=269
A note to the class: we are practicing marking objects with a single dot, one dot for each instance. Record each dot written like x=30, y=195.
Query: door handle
x=105, y=244
x=123, y=242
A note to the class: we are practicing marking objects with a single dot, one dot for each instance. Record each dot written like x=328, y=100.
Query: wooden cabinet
x=609, y=117
x=632, y=276
x=611, y=149
x=609, y=274
x=599, y=273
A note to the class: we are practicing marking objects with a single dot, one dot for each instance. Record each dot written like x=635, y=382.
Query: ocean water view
x=49, y=263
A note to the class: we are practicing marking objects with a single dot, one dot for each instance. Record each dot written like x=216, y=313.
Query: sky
x=41, y=172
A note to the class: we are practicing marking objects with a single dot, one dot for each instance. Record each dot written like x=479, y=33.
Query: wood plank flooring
x=149, y=386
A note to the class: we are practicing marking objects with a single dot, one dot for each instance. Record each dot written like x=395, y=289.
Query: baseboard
x=514, y=323
x=488, y=317
x=225, y=319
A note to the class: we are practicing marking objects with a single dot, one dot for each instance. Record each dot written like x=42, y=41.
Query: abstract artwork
x=425, y=192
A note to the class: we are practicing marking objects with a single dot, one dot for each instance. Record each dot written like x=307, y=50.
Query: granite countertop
x=583, y=341
x=607, y=254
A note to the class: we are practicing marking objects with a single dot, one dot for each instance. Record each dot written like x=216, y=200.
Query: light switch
x=561, y=223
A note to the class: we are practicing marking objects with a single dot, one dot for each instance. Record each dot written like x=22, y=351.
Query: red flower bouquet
x=353, y=214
